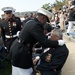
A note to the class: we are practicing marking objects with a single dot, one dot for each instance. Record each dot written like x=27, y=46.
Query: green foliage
x=47, y=6
x=59, y=4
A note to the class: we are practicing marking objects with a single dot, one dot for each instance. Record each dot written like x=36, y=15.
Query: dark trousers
x=9, y=43
x=50, y=72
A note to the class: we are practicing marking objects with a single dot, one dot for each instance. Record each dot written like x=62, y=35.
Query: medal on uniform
x=48, y=57
x=14, y=24
x=38, y=72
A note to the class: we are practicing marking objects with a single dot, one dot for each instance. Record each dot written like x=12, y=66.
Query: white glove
x=5, y=48
x=61, y=42
x=18, y=33
x=49, y=37
x=37, y=57
x=45, y=50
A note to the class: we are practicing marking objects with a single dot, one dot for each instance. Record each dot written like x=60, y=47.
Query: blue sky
x=24, y=5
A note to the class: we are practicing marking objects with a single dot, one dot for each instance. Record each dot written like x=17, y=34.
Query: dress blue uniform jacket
x=9, y=28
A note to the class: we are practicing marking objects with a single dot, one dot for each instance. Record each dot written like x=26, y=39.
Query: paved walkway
x=69, y=67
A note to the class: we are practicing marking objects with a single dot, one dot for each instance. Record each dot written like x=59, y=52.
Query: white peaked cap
x=72, y=6
x=8, y=9
x=45, y=12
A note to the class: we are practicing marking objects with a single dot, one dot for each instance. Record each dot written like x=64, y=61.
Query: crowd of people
x=35, y=46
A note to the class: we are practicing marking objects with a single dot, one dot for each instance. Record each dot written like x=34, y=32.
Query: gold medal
x=14, y=24
x=48, y=57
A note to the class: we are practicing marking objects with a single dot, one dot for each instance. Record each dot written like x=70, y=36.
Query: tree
x=59, y=4
x=47, y=6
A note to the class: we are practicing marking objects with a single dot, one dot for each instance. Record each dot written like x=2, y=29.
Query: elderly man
x=32, y=32
x=53, y=59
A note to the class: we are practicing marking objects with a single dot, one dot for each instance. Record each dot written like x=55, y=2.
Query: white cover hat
x=72, y=6
x=5, y=9
x=45, y=12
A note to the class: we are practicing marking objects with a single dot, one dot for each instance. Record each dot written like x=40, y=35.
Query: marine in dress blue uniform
x=9, y=28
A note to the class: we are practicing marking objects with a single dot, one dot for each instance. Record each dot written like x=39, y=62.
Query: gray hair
x=58, y=32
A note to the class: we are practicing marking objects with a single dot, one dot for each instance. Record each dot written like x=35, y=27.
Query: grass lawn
x=5, y=68
x=5, y=64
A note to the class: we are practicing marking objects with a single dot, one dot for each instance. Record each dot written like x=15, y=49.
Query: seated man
x=52, y=60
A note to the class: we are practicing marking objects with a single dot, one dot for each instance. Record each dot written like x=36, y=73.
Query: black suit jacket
x=58, y=59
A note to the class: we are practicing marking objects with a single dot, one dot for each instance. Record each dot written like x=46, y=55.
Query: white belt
x=13, y=36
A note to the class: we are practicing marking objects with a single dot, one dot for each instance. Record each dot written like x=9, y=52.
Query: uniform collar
x=11, y=19
x=39, y=22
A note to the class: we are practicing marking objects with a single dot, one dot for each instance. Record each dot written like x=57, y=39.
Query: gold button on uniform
x=8, y=22
x=10, y=36
x=10, y=30
x=9, y=26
